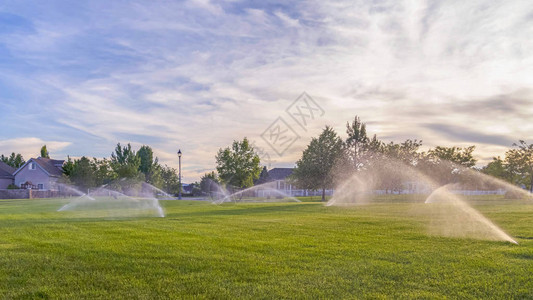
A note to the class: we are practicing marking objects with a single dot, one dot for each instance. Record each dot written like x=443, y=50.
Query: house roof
x=279, y=173
x=6, y=171
x=52, y=167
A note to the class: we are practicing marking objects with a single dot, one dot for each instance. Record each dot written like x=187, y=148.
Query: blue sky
x=80, y=76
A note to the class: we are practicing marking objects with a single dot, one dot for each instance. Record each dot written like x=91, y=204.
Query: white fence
x=291, y=193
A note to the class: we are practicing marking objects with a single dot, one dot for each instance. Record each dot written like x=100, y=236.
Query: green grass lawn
x=260, y=250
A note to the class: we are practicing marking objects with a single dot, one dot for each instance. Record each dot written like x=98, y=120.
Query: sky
x=82, y=76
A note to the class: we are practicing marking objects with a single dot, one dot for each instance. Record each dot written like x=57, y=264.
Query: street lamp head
x=179, y=153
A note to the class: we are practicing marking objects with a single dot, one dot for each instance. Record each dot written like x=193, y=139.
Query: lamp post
x=179, y=174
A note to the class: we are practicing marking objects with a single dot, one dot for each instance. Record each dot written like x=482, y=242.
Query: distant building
x=187, y=188
x=6, y=175
x=39, y=173
x=276, y=182
x=280, y=177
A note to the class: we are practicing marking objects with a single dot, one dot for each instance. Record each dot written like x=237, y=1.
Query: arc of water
x=460, y=204
x=108, y=192
x=264, y=186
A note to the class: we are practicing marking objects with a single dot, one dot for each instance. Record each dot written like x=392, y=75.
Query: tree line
x=86, y=173
x=329, y=158
x=326, y=161
x=140, y=165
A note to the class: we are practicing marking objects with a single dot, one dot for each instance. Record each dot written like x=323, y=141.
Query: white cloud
x=30, y=147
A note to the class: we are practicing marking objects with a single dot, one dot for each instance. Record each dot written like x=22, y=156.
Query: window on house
x=32, y=166
x=40, y=186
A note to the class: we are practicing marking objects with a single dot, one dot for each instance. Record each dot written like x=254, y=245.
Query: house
x=274, y=182
x=279, y=176
x=6, y=175
x=187, y=188
x=39, y=173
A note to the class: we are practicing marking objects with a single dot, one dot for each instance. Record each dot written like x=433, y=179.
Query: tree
x=357, y=142
x=394, y=160
x=263, y=177
x=149, y=166
x=103, y=172
x=457, y=155
x=406, y=152
x=14, y=160
x=44, y=152
x=238, y=166
x=82, y=174
x=209, y=183
x=169, y=180
x=314, y=170
x=86, y=173
x=496, y=168
x=447, y=164
x=520, y=164
x=68, y=166
x=195, y=189
x=124, y=162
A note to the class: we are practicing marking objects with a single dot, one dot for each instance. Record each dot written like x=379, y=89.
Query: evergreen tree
x=263, y=177
x=124, y=162
x=68, y=166
x=82, y=174
x=357, y=142
x=14, y=160
x=149, y=166
x=44, y=152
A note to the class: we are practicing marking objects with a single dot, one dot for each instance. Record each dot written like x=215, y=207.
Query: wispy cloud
x=196, y=75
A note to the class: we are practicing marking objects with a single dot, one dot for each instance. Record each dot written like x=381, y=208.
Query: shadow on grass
x=526, y=256
x=525, y=237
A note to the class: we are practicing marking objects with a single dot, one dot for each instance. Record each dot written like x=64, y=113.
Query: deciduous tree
x=520, y=164
x=169, y=180
x=238, y=166
x=446, y=164
x=497, y=168
x=315, y=169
